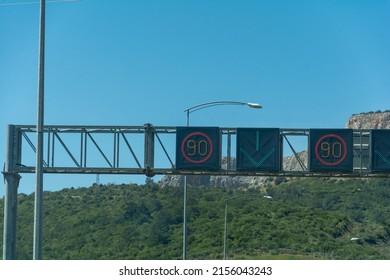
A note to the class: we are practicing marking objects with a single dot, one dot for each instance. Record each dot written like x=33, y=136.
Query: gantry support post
x=11, y=180
x=149, y=150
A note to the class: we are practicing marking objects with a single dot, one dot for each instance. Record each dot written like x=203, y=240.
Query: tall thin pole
x=38, y=208
x=185, y=207
x=225, y=231
x=185, y=220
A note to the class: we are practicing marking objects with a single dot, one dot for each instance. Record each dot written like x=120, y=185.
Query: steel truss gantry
x=145, y=150
x=120, y=151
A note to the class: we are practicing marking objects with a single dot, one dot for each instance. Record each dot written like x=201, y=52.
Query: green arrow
x=253, y=161
x=382, y=157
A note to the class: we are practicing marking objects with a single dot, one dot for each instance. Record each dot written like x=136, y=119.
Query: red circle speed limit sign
x=197, y=148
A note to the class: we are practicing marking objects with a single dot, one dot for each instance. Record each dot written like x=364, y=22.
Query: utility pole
x=38, y=207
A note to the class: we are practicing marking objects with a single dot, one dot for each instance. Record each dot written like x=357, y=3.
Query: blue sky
x=309, y=63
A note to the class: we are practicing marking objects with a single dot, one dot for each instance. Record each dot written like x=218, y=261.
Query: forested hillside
x=304, y=219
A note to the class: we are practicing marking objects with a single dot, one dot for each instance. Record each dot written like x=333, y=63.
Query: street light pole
x=185, y=205
x=225, y=231
x=188, y=111
x=38, y=207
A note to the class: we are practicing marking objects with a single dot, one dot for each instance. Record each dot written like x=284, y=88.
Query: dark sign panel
x=258, y=149
x=380, y=150
x=331, y=150
x=198, y=148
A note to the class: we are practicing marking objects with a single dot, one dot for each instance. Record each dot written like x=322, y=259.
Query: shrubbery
x=305, y=219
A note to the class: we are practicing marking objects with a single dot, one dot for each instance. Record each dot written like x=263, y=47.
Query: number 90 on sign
x=331, y=150
x=197, y=148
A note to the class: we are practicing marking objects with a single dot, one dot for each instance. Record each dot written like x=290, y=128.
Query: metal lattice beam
x=123, y=147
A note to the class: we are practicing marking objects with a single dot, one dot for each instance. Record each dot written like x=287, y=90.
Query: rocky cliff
x=220, y=181
x=289, y=163
x=372, y=120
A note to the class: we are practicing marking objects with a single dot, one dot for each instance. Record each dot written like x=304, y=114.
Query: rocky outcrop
x=289, y=163
x=219, y=181
x=214, y=181
x=372, y=120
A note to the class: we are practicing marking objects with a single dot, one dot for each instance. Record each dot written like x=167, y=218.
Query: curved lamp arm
x=217, y=103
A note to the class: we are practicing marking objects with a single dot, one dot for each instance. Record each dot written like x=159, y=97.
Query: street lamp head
x=254, y=105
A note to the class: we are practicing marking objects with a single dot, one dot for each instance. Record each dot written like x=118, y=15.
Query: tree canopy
x=317, y=218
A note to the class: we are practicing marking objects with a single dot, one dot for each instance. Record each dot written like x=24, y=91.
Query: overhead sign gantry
x=160, y=150
x=150, y=150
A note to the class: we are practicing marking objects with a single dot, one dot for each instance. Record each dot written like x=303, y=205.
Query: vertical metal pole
x=229, y=143
x=225, y=231
x=361, y=152
x=185, y=219
x=53, y=150
x=114, y=152
x=85, y=147
x=11, y=178
x=117, y=145
x=10, y=211
x=38, y=207
x=149, y=149
x=48, y=148
x=185, y=206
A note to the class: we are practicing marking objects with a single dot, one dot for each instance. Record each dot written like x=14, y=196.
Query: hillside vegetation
x=305, y=219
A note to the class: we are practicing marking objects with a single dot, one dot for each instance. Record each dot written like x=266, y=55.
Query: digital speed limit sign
x=331, y=150
x=198, y=148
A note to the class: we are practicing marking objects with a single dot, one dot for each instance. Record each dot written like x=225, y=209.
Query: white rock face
x=374, y=120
